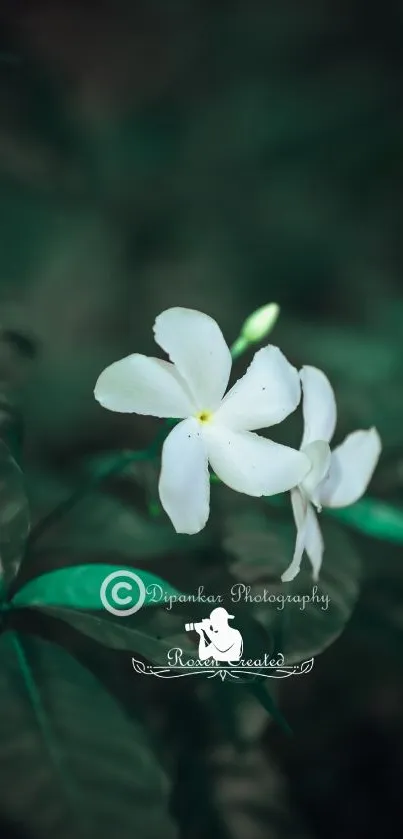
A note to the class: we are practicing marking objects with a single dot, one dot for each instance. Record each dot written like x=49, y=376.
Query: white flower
x=213, y=429
x=336, y=479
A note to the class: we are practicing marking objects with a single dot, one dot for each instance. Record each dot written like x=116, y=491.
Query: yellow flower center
x=204, y=416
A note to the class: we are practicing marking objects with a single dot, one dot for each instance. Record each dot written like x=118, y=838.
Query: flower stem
x=239, y=347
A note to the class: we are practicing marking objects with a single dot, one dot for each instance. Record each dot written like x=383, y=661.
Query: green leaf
x=14, y=516
x=72, y=762
x=152, y=641
x=261, y=543
x=69, y=593
x=101, y=521
x=373, y=518
x=79, y=586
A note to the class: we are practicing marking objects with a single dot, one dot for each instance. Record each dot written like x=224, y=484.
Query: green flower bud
x=260, y=323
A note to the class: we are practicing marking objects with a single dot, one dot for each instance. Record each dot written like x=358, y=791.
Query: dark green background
x=215, y=155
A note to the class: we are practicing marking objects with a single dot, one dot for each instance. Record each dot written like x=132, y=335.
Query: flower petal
x=138, y=384
x=309, y=538
x=318, y=405
x=184, y=484
x=251, y=464
x=314, y=544
x=266, y=394
x=195, y=344
x=351, y=469
x=319, y=455
x=300, y=509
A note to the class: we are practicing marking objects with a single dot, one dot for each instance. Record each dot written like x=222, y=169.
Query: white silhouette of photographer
x=224, y=642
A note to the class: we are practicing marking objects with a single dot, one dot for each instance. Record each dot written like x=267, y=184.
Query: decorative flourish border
x=244, y=674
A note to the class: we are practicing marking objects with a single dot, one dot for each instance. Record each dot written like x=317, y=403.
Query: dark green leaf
x=102, y=521
x=72, y=762
x=73, y=595
x=152, y=640
x=262, y=695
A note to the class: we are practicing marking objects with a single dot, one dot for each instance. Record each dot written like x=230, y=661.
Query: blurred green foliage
x=216, y=156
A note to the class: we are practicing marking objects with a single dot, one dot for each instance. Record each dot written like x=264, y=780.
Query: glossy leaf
x=72, y=762
x=373, y=518
x=79, y=587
